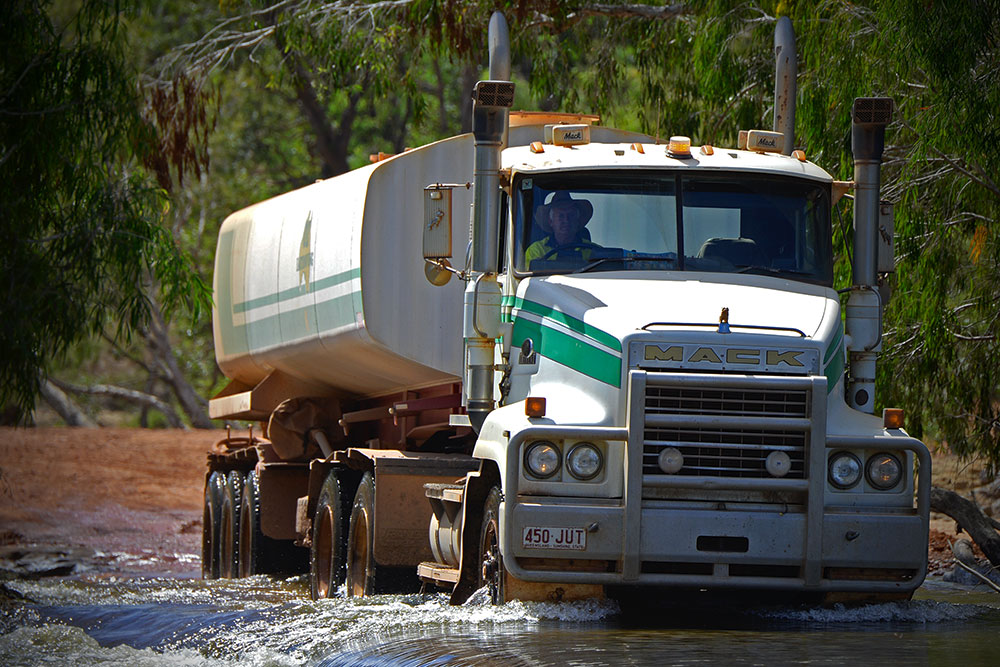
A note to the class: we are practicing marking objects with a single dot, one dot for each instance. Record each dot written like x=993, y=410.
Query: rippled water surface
x=116, y=620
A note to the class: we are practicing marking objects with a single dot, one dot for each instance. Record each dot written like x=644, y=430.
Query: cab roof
x=594, y=156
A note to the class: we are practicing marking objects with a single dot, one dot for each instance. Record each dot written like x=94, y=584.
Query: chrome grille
x=719, y=453
x=720, y=449
x=731, y=401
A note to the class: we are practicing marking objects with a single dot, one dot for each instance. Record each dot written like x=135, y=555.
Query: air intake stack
x=786, y=71
x=864, y=306
x=491, y=102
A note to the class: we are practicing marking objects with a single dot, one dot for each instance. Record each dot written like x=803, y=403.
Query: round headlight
x=778, y=464
x=845, y=470
x=884, y=471
x=584, y=461
x=542, y=459
x=670, y=460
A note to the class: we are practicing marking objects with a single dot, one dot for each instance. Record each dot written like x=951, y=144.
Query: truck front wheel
x=491, y=570
x=326, y=556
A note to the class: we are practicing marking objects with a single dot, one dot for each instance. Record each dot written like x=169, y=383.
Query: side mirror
x=437, y=233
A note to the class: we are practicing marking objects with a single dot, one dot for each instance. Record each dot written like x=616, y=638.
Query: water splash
x=914, y=611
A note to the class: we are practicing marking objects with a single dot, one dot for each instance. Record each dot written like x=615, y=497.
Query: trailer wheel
x=361, y=540
x=491, y=570
x=210, y=524
x=229, y=526
x=258, y=554
x=326, y=555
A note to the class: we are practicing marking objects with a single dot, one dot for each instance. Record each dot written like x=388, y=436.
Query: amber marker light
x=537, y=147
x=799, y=155
x=707, y=150
x=679, y=147
x=892, y=417
x=637, y=147
x=534, y=406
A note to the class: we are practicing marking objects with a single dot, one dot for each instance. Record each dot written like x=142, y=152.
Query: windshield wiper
x=771, y=270
x=629, y=257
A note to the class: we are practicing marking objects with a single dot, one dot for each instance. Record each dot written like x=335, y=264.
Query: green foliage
x=81, y=222
x=938, y=61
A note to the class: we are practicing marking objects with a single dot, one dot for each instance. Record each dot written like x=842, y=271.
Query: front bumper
x=637, y=542
x=723, y=549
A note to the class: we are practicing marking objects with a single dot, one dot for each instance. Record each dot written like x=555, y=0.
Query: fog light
x=884, y=471
x=778, y=464
x=584, y=461
x=845, y=470
x=542, y=459
x=670, y=460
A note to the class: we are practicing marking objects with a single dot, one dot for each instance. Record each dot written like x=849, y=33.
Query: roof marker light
x=679, y=146
x=537, y=147
x=707, y=150
x=637, y=147
x=799, y=155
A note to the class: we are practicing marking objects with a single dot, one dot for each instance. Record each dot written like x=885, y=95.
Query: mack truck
x=556, y=360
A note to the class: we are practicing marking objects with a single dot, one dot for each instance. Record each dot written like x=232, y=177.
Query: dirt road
x=110, y=499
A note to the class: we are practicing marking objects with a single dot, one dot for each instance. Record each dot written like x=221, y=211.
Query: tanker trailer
x=350, y=361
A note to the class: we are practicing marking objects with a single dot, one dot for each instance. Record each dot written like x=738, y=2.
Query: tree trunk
x=193, y=405
x=127, y=394
x=980, y=528
x=64, y=405
x=470, y=75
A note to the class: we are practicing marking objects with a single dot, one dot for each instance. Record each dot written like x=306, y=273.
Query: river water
x=104, y=618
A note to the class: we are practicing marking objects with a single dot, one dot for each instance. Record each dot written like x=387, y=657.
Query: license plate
x=540, y=537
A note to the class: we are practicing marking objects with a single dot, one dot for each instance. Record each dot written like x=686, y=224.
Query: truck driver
x=565, y=219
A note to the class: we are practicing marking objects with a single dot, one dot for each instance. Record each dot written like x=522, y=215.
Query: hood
x=617, y=306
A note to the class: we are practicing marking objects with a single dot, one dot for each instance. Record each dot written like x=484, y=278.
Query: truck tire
x=364, y=576
x=258, y=554
x=229, y=526
x=361, y=540
x=210, y=524
x=329, y=541
x=491, y=569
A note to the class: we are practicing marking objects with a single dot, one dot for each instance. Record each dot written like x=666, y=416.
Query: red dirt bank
x=110, y=491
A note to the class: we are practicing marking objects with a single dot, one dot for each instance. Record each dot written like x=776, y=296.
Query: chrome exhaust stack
x=491, y=102
x=864, y=305
x=786, y=70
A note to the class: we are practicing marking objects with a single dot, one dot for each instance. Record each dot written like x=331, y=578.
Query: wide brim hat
x=563, y=199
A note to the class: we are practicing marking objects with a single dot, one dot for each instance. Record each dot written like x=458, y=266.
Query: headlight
x=845, y=470
x=670, y=460
x=584, y=461
x=542, y=459
x=884, y=471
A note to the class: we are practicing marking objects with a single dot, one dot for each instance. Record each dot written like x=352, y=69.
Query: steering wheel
x=566, y=246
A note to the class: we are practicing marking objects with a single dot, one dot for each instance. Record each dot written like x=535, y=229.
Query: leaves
x=81, y=224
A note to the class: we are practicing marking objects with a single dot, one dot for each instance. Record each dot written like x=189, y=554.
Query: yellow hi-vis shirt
x=545, y=245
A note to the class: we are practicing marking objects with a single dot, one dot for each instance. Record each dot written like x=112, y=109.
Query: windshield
x=730, y=222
